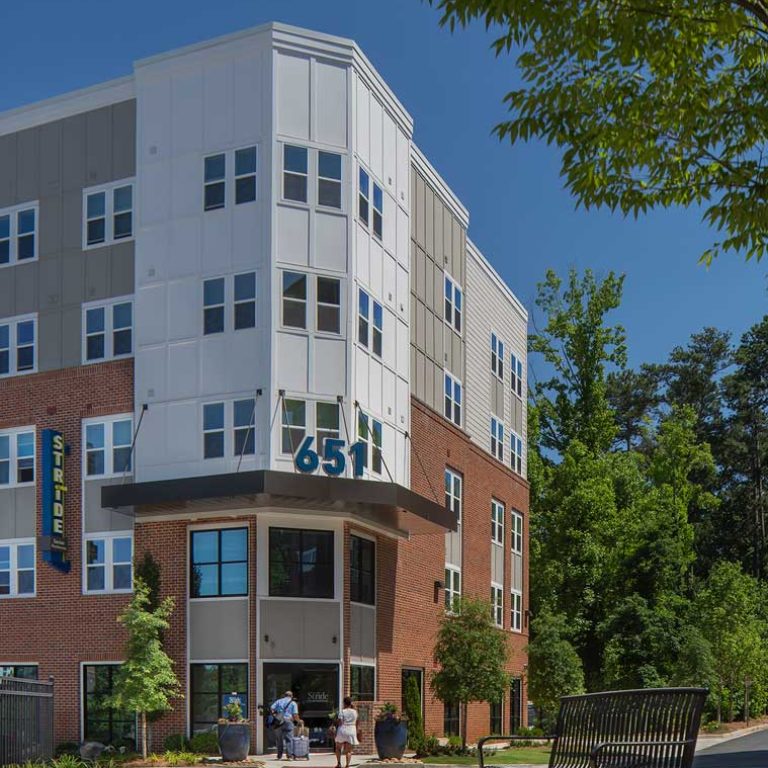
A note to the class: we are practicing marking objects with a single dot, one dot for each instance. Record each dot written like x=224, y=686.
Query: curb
x=706, y=742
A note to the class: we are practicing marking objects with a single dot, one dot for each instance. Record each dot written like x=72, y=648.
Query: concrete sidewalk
x=706, y=740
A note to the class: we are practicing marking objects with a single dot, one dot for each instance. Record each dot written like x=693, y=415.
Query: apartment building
x=243, y=329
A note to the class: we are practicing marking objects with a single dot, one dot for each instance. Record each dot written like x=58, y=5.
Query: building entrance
x=315, y=688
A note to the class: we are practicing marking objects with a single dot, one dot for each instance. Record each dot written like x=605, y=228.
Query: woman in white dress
x=346, y=732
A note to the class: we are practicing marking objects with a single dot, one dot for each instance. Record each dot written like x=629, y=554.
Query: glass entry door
x=315, y=688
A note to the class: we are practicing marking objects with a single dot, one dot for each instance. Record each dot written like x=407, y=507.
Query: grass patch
x=517, y=756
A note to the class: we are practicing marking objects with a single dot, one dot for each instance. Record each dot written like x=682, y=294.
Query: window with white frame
x=497, y=522
x=453, y=497
x=229, y=428
x=17, y=457
x=229, y=175
x=17, y=568
x=245, y=175
x=244, y=315
x=294, y=424
x=516, y=445
x=109, y=562
x=108, y=330
x=454, y=304
x=329, y=179
x=370, y=323
x=328, y=304
x=213, y=430
x=363, y=323
x=18, y=234
x=516, y=613
x=370, y=433
x=452, y=586
x=327, y=423
x=364, y=197
x=294, y=300
x=295, y=173
x=243, y=424
x=214, y=181
x=497, y=604
x=517, y=533
x=237, y=292
x=213, y=306
x=107, y=213
x=378, y=211
x=497, y=438
x=18, y=345
x=517, y=375
x=108, y=446
x=497, y=357
x=453, y=397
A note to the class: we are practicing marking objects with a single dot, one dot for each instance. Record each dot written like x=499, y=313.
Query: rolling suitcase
x=300, y=747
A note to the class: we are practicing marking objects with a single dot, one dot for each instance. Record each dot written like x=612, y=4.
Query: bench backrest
x=666, y=715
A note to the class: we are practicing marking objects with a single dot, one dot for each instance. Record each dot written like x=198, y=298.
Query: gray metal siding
x=18, y=512
x=207, y=641
x=53, y=163
x=362, y=632
x=96, y=519
x=299, y=629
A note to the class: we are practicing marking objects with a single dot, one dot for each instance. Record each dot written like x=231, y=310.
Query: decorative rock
x=91, y=750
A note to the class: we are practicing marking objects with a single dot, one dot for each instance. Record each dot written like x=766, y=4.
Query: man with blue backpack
x=285, y=712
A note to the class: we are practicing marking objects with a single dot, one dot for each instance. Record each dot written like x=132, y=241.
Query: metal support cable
x=129, y=460
x=251, y=427
x=370, y=434
x=423, y=468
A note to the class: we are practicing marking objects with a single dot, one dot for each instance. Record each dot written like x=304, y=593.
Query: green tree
x=554, y=667
x=148, y=570
x=471, y=657
x=654, y=103
x=633, y=397
x=414, y=713
x=145, y=682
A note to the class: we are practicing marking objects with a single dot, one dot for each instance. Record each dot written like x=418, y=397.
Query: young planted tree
x=145, y=682
x=471, y=655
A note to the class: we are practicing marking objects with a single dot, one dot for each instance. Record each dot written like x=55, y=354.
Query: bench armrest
x=604, y=745
x=503, y=737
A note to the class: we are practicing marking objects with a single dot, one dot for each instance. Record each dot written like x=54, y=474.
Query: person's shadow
x=749, y=759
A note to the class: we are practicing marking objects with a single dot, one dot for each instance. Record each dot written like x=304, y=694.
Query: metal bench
x=649, y=728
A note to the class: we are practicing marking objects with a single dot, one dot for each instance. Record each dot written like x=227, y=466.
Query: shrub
x=67, y=761
x=713, y=726
x=67, y=748
x=176, y=742
x=532, y=733
x=176, y=758
x=426, y=746
x=206, y=743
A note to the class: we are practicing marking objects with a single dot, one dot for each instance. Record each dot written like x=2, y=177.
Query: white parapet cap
x=474, y=252
x=436, y=181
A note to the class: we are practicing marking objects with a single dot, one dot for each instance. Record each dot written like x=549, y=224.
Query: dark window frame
x=359, y=590
x=15, y=668
x=330, y=591
x=219, y=693
x=359, y=691
x=111, y=713
x=219, y=562
x=451, y=719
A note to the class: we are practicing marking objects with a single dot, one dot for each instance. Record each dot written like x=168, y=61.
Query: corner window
x=370, y=323
x=301, y=563
x=369, y=432
x=213, y=430
x=213, y=306
x=497, y=439
x=497, y=522
x=108, y=330
x=497, y=357
x=245, y=175
x=243, y=416
x=378, y=328
x=294, y=417
x=328, y=305
x=516, y=445
x=245, y=301
x=363, y=197
x=453, y=397
x=107, y=214
x=363, y=324
x=454, y=300
x=17, y=568
x=497, y=604
x=294, y=300
x=517, y=376
x=453, y=495
x=295, y=173
x=362, y=570
x=452, y=587
x=210, y=686
x=378, y=211
x=214, y=185
x=17, y=457
x=108, y=447
x=362, y=682
x=100, y=721
x=219, y=562
x=517, y=533
x=516, y=619
x=109, y=563
x=18, y=234
x=327, y=423
x=18, y=345
x=329, y=179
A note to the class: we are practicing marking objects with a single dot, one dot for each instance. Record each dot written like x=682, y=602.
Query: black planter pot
x=391, y=736
x=234, y=741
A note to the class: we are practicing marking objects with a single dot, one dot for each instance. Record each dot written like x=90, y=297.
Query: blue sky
x=521, y=217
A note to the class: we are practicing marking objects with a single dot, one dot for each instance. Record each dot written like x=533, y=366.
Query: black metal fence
x=26, y=720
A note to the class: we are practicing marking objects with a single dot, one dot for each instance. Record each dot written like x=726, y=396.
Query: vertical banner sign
x=54, y=492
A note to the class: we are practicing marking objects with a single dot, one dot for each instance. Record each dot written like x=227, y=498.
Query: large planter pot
x=391, y=736
x=234, y=741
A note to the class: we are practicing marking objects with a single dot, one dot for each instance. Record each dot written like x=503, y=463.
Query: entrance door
x=407, y=673
x=315, y=688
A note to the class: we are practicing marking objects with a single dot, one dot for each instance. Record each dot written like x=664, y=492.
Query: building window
x=369, y=432
x=294, y=424
x=108, y=447
x=516, y=444
x=219, y=562
x=364, y=196
x=100, y=721
x=214, y=192
x=295, y=171
x=243, y=417
x=378, y=328
x=17, y=346
x=18, y=234
x=517, y=611
x=370, y=340
x=108, y=214
x=497, y=439
x=294, y=300
x=245, y=175
x=327, y=423
x=453, y=500
x=517, y=375
x=497, y=604
x=451, y=719
x=362, y=682
x=245, y=301
x=108, y=331
x=517, y=533
x=328, y=305
x=19, y=671
x=362, y=570
x=497, y=522
x=213, y=306
x=108, y=563
x=329, y=179
x=516, y=705
x=17, y=457
x=453, y=304
x=211, y=685
x=301, y=563
x=213, y=430
x=452, y=406
x=497, y=357
x=452, y=587
x=378, y=210
x=497, y=716
x=17, y=568
x=363, y=313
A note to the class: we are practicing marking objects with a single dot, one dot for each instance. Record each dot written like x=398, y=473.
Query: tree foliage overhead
x=654, y=103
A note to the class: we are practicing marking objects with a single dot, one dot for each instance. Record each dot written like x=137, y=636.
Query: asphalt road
x=747, y=752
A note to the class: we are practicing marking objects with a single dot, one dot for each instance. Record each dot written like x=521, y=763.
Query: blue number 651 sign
x=334, y=459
